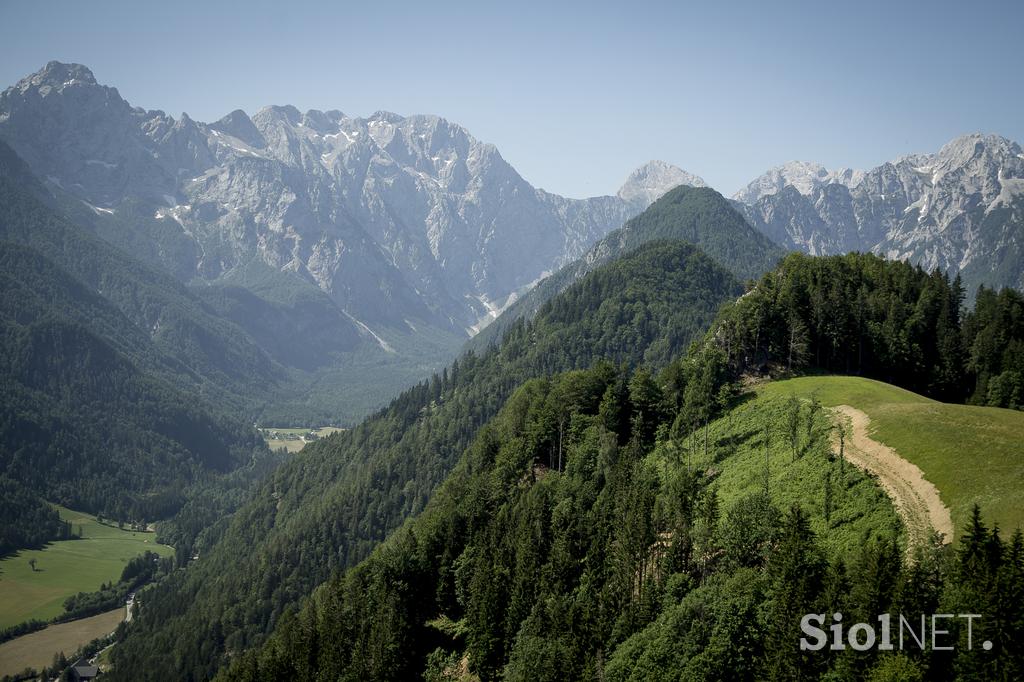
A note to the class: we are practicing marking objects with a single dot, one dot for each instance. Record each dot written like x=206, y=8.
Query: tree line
x=861, y=314
x=578, y=539
x=330, y=505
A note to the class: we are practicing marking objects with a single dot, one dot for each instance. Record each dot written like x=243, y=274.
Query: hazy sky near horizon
x=574, y=95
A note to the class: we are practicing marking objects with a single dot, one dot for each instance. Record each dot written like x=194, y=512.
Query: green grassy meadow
x=67, y=567
x=36, y=649
x=973, y=455
x=859, y=511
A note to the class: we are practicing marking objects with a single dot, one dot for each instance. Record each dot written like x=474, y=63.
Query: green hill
x=677, y=556
x=698, y=215
x=973, y=455
x=626, y=506
x=632, y=526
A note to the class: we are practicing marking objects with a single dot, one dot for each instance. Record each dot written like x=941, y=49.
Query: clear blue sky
x=574, y=95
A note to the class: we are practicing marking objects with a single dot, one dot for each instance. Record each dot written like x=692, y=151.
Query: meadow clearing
x=68, y=567
x=973, y=455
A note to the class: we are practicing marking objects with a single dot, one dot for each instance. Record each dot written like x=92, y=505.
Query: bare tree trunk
x=560, y=428
x=767, y=492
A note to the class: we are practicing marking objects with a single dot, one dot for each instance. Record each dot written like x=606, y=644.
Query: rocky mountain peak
x=57, y=75
x=805, y=176
x=238, y=124
x=974, y=145
x=960, y=209
x=277, y=113
x=403, y=221
x=651, y=180
x=976, y=154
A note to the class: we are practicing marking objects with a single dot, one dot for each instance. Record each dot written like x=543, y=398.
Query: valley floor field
x=294, y=439
x=68, y=567
x=973, y=455
x=36, y=650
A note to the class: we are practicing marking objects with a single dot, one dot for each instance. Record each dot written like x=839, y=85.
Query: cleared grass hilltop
x=973, y=455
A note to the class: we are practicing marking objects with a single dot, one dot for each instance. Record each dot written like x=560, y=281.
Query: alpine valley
x=357, y=253
x=630, y=437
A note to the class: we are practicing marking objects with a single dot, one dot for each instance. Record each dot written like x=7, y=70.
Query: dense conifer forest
x=550, y=505
x=574, y=541
x=561, y=549
x=119, y=386
x=327, y=508
x=860, y=314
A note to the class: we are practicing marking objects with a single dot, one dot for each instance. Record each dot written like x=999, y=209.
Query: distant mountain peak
x=238, y=124
x=386, y=116
x=962, y=150
x=804, y=176
x=653, y=179
x=971, y=140
x=57, y=75
x=960, y=209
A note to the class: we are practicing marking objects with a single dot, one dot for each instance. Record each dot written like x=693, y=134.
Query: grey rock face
x=960, y=209
x=646, y=184
x=804, y=176
x=401, y=220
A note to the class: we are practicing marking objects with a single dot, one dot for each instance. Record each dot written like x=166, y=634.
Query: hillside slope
x=974, y=455
x=698, y=215
x=677, y=557
x=87, y=417
x=330, y=505
x=122, y=389
x=528, y=572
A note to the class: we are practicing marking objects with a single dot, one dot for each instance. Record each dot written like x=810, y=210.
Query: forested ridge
x=615, y=559
x=327, y=508
x=81, y=424
x=575, y=539
x=118, y=390
x=698, y=215
x=860, y=314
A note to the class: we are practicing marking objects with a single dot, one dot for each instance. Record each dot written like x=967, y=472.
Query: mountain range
x=359, y=254
x=960, y=210
x=403, y=235
x=167, y=282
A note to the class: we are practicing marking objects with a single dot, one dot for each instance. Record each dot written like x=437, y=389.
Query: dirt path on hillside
x=916, y=499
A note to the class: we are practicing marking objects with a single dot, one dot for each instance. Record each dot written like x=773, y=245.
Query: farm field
x=36, y=649
x=293, y=439
x=973, y=455
x=68, y=567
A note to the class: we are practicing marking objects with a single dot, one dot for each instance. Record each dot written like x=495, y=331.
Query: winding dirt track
x=916, y=499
